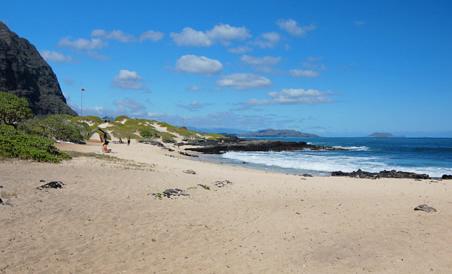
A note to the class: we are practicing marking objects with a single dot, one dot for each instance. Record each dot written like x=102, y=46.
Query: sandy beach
x=106, y=220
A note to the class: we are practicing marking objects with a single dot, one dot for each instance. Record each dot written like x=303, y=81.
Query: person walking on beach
x=128, y=140
x=104, y=140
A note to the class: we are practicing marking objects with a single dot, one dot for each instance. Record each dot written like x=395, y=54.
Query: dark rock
x=152, y=142
x=446, y=177
x=222, y=183
x=1, y=201
x=174, y=192
x=307, y=175
x=425, y=208
x=257, y=145
x=190, y=171
x=25, y=73
x=206, y=187
x=53, y=184
x=188, y=154
x=382, y=174
x=169, y=193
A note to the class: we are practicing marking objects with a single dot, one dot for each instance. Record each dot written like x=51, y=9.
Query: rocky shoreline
x=254, y=145
x=382, y=174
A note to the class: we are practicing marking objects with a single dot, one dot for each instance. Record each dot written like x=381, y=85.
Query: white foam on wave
x=353, y=148
x=327, y=163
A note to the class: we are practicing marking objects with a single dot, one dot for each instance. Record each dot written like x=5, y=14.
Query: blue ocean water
x=432, y=156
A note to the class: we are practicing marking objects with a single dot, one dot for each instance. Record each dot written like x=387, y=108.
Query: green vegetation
x=13, y=109
x=25, y=137
x=57, y=127
x=17, y=144
x=183, y=131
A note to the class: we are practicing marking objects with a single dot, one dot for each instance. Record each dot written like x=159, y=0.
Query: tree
x=13, y=109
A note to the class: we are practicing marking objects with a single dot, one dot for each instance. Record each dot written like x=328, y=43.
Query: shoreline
x=106, y=220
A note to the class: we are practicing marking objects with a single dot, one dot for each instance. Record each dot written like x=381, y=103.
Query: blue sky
x=336, y=68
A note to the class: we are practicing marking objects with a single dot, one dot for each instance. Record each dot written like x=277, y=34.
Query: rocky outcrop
x=257, y=145
x=279, y=133
x=382, y=174
x=25, y=73
x=446, y=177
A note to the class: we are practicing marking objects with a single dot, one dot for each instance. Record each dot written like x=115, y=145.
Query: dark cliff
x=25, y=73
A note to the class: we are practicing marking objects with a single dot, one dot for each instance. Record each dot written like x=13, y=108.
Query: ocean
x=431, y=156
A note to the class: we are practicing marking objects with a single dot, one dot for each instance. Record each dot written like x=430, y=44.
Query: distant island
x=278, y=133
x=381, y=135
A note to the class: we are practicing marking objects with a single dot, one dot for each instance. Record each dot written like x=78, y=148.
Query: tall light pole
x=81, y=101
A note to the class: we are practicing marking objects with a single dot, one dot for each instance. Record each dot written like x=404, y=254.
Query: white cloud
x=55, y=56
x=257, y=61
x=304, y=73
x=198, y=64
x=225, y=33
x=193, y=106
x=127, y=79
x=191, y=37
x=291, y=26
x=293, y=96
x=240, y=50
x=222, y=33
x=243, y=81
x=117, y=35
x=267, y=40
x=264, y=63
x=129, y=106
x=81, y=43
x=151, y=35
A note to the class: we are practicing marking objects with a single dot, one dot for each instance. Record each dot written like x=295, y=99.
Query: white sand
x=105, y=221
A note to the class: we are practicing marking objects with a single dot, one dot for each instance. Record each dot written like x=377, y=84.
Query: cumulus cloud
x=193, y=106
x=222, y=33
x=225, y=33
x=151, y=35
x=264, y=63
x=267, y=40
x=55, y=56
x=198, y=64
x=304, y=73
x=191, y=37
x=117, y=35
x=243, y=81
x=127, y=79
x=240, y=50
x=82, y=43
x=293, y=96
x=129, y=106
x=312, y=67
x=293, y=28
x=256, y=61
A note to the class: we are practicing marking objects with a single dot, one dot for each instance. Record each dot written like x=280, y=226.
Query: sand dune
x=105, y=220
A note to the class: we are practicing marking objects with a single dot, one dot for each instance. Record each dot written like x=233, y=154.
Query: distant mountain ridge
x=279, y=133
x=25, y=73
x=381, y=135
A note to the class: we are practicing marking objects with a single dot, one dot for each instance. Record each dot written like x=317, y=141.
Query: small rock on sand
x=425, y=208
x=204, y=186
x=190, y=171
x=52, y=184
x=171, y=192
x=222, y=183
